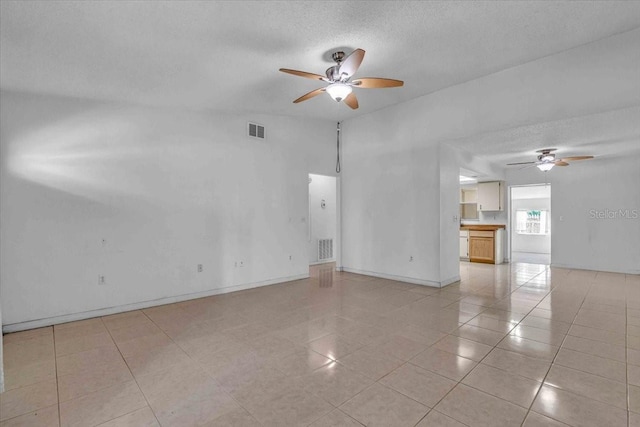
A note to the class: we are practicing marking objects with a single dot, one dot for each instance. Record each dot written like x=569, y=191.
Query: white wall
x=390, y=199
x=393, y=196
x=142, y=196
x=449, y=269
x=578, y=240
x=540, y=244
x=496, y=217
x=322, y=220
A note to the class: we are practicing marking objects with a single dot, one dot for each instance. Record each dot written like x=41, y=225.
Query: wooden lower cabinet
x=482, y=246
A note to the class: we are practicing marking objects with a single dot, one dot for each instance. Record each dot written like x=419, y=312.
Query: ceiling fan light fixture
x=339, y=78
x=338, y=91
x=545, y=167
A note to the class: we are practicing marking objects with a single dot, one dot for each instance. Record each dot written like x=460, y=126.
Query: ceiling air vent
x=255, y=130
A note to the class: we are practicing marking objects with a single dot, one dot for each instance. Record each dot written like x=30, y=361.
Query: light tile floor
x=510, y=345
x=530, y=257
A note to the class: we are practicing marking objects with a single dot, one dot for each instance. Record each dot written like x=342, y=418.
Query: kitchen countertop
x=482, y=227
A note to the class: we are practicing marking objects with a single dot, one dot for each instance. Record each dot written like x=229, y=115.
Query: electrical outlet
x=290, y=257
x=411, y=258
x=102, y=280
x=241, y=264
x=199, y=268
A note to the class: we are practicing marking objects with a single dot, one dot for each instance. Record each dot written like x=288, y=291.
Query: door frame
x=338, y=237
x=510, y=214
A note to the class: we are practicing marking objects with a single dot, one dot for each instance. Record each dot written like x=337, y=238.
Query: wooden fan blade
x=352, y=62
x=521, y=163
x=309, y=95
x=560, y=163
x=574, y=158
x=376, y=83
x=351, y=101
x=303, y=74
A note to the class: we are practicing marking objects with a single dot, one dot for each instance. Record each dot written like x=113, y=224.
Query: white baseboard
x=602, y=270
x=412, y=280
x=48, y=321
x=450, y=281
x=322, y=262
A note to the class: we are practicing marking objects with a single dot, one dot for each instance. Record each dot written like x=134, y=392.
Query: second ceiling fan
x=339, y=76
x=547, y=160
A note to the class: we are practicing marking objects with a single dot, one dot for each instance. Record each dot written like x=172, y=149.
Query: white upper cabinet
x=491, y=196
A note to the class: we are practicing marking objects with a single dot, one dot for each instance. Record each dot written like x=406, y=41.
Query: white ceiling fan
x=547, y=160
x=339, y=76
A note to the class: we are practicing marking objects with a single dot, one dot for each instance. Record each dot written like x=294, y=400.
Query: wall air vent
x=325, y=249
x=255, y=130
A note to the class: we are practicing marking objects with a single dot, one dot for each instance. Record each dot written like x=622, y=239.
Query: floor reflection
x=325, y=274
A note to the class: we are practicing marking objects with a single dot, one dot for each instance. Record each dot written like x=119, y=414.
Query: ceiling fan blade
x=521, y=163
x=309, y=95
x=351, y=63
x=527, y=166
x=303, y=74
x=351, y=101
x=376, y=83
x=560, y=163
x=574, y=158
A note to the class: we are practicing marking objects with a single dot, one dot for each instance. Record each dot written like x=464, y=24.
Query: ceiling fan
x=547, y=160
x=339, y=76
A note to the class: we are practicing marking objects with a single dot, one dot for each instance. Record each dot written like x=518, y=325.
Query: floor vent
x=325, y=249
x=255, y=130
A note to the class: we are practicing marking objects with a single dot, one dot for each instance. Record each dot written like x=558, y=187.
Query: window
x=532, y=222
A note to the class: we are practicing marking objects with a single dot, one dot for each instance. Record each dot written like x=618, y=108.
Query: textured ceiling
x=607, y=134
x=225, y=56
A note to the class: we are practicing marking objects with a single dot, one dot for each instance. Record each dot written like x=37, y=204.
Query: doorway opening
x=323, y=224
x=530, y=219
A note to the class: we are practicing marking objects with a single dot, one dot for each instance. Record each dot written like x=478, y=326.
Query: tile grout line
x=493, y=347
x=584, y=305
x=132, y=376
x=626, y=354
x=55, y=358
x=189, y=356
x=405, y=362
x=199, y=365
x=507, y=335
x=480, y=361
x=554, y=358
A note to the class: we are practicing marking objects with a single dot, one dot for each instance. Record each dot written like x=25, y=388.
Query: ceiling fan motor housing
x=333, y=73
x=338, y=56
x=546, y=155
